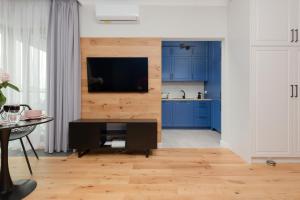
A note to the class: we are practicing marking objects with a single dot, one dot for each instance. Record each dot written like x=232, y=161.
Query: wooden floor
x=170, y=174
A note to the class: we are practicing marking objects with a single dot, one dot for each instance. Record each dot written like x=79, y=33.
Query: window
x=25, y=60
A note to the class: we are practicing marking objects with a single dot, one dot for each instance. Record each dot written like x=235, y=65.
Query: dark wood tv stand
x=91, y=134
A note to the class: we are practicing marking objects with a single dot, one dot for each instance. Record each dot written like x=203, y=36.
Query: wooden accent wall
x=123, y=105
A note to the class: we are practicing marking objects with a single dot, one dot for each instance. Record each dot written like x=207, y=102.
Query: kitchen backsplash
x=191, y=89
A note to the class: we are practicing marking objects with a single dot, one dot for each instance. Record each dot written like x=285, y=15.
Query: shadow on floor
x=40, y=152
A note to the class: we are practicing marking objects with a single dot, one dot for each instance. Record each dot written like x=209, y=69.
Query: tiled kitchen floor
x=185, y=138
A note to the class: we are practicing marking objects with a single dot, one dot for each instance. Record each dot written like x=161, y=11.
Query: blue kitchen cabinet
x=200, y=48
x=213, y=85
x=216, y=115
x=184, y=64
x=216, y=69
x=178, y=51
x=167, y=61
x=182, y=68
x=199, y=68
x=166, y=51
x=202, y=114
x=167, y=114
x=183, y=114
x=200, y=62
x=186, y=114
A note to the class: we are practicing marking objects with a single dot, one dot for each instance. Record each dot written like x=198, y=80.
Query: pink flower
x=4, y=77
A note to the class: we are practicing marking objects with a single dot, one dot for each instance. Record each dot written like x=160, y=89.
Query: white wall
x=184, y=21
x=200, y=23
x=237, y=134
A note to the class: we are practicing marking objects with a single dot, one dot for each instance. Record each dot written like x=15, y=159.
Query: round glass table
x=21, y=188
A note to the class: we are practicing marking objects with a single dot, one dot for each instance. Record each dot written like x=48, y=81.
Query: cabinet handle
x=292, y=91
x=296, y=91
x=296, y=35
x=292, y=35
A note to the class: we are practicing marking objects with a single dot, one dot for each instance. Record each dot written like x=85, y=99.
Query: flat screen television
x=117, y=74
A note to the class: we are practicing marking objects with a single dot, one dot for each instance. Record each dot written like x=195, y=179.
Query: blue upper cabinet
x=199, y=69
x=179, y=51
x=213, y=85
x=167, y=61
x=184, y=61
x=200, y=49
x=182, y=68
x=200, y=62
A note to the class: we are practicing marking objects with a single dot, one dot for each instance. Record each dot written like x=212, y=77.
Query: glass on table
x=6, y=108
x=12, y=113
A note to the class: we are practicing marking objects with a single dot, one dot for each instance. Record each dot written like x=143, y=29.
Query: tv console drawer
x=140, y=136
x=85, y=135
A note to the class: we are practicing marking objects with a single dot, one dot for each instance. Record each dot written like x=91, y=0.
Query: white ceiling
x=159, y=2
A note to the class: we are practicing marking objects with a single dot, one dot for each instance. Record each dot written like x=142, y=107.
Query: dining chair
x=20, y=133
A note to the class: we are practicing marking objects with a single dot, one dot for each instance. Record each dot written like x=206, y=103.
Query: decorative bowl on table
x=33, y=114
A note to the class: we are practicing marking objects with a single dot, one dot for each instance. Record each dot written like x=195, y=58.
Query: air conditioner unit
x=117, y=13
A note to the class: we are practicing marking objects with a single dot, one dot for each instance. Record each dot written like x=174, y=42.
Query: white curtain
x=23, y=44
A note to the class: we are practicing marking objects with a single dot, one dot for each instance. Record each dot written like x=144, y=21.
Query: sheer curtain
x=23, y=44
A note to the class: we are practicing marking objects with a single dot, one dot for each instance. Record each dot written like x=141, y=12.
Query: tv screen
x=117, y=74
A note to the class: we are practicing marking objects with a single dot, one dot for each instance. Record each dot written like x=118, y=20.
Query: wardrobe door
x=272, y=22
x=273, y=112
x=296, y=17
x=296, y=138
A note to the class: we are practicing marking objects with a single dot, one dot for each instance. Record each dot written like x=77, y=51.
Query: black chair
x=20, y=133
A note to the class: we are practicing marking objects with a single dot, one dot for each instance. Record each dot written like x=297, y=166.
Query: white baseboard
x=276, y=159
x=224, y=144
x=159, y=145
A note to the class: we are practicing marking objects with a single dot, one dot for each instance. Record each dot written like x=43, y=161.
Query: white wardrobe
x=274, y=78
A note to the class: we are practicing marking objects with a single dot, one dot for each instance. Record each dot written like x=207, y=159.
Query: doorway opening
x=191, y=94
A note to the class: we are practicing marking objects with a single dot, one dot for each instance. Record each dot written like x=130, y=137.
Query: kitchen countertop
x=188, y=99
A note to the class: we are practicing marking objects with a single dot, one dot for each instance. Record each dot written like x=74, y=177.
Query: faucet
x=168, y=95
x=183, y=94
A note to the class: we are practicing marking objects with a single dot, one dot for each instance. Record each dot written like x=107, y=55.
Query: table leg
x=8, y=189
x=6, y=184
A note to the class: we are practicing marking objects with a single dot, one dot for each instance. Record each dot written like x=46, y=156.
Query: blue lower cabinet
x=202, y=114
x=186, y=114
x=167, y=114
x=183, y=114
x=216, y=115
